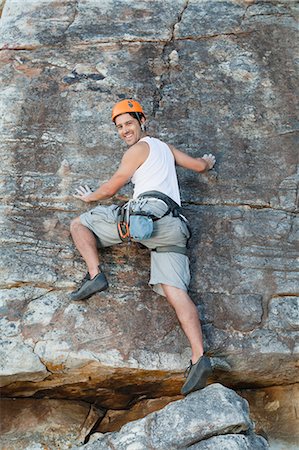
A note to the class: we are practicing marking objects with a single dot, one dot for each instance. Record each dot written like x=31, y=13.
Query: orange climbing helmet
x=126, y=106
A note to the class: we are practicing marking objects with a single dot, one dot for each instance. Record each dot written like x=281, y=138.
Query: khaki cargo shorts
x=166, y=268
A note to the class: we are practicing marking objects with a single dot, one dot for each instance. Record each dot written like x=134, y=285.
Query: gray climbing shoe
x=197, y=375
x=90, y=286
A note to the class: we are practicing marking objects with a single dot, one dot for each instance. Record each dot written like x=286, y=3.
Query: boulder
x=115, y=419
x=57, y=126
x=212, y=418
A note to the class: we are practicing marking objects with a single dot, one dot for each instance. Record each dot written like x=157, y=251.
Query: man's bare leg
x=86, y=244
x=200, y=369
x=187, y=314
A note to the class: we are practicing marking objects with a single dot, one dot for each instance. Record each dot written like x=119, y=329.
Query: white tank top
x=157, y=173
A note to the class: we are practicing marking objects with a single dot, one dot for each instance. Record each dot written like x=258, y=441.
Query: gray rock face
x=215, y=410
x=216, y=76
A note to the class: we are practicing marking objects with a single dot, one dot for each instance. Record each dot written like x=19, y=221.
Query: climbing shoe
x=90, y=286
x=197, y=375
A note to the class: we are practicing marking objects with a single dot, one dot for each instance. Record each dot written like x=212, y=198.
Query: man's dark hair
x=137, y=116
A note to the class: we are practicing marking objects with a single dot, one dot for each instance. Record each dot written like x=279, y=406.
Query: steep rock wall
x=212, y=75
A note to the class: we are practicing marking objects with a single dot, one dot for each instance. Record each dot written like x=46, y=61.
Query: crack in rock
x=75, y=14
x=238, y=205
x=213, y=36
x=2, y=5
x=158, y=95
x=287, y=7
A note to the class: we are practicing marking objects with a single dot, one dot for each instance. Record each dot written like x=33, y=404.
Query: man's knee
x=75, y=225
x=173, y=292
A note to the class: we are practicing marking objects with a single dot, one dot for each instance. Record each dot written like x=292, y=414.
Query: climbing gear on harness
x=134, y=223
x=90, y=286
x=123, y=230
x=123, y=224
x=137, y=224
x=197, y=375
x=126, y=106
x=141, y=226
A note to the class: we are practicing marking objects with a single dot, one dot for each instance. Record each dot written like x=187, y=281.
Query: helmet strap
x=139, y=116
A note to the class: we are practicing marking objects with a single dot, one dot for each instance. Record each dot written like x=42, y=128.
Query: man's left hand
x=210, y=160
x=83, y=193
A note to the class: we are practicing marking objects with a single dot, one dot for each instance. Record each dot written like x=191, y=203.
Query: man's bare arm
x=130, y=162
x=188, y=162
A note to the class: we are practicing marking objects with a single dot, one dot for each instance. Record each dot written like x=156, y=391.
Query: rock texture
x=217, y=76
x=214, y=418
x=276, y=405
x=50, y=424
x=115, y=419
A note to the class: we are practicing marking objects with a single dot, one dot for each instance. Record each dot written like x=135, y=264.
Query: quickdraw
x=123, y=230
x=123, y=224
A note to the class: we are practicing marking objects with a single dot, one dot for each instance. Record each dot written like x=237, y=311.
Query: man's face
x=128, y=129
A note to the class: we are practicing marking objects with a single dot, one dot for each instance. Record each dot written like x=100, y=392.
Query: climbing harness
x=137, y=224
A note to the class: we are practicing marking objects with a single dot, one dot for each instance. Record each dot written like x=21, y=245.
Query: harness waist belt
x=173, y=207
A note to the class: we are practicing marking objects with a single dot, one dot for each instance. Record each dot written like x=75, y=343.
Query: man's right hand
x=210, y=160
x=83, y=193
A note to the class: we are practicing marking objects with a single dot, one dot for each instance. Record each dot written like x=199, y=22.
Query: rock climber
x=153, y=218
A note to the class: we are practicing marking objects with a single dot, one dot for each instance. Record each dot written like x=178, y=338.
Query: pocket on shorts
x=106, y=213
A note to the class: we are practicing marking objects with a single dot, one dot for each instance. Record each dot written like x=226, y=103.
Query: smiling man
x=153, y=217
